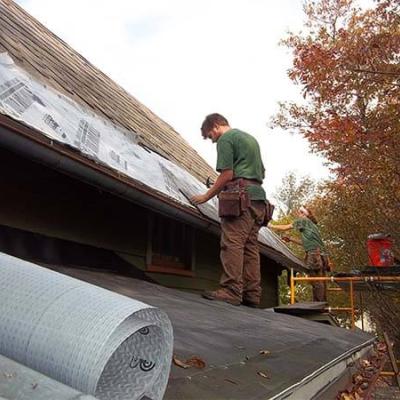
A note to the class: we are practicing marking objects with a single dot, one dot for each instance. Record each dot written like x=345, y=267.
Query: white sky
x=185, y=59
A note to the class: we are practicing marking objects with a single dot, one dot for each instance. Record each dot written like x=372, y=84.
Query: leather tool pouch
x=233, y=201
x=269, y=210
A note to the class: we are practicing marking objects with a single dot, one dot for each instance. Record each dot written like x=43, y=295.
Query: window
x=170, y=246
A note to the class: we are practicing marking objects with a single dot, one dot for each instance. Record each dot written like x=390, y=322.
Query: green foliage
x=284, y=288
x=303, y=291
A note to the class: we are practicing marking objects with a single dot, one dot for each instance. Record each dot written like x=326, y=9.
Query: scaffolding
x=352, y=284
x=352, y=281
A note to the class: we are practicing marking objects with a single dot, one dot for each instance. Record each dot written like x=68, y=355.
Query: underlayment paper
x=91, y=339
x=64, y=120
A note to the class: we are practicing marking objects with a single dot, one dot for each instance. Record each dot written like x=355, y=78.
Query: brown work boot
x=221, y=295
x=251, y=304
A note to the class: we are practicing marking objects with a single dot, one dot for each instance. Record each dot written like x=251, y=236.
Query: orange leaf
x=179, y=363
x=196, y=362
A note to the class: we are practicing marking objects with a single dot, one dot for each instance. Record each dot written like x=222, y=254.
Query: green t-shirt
x=310, y=235
x=240, y=152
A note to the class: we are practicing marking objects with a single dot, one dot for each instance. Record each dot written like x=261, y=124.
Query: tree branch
x=368, y=71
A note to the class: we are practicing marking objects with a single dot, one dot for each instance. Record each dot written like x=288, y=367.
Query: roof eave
x=31, y=143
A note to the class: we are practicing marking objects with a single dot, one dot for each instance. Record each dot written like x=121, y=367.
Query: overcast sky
x=185, y=59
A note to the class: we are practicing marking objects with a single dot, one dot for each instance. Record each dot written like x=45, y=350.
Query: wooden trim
x=170, y=270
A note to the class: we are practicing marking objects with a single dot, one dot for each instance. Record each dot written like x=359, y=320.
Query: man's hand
x=223, y=178
x=199, y=199
x=286, y=239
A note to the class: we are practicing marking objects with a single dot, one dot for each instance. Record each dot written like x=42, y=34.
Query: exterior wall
x=37, y=199
x=41, y=200
x=270, y=271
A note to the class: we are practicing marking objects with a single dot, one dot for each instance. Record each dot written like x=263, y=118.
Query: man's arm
x=224, y=177
x=280, y=227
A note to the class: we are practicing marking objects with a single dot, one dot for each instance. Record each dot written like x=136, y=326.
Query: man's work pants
x=315, y=262
x=240, y=255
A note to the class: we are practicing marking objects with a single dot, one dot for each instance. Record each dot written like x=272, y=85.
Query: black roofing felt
x=302, y=308
x=229, y=339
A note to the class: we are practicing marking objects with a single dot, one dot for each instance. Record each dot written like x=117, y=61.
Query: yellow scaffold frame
x=333, y=279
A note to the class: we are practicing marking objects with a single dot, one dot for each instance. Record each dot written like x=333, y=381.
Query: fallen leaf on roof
x=231, y=381
x=179, y=363
x=357, y=379
x=346, y=396
x=358, y=396
x=196, y=362
x=34, y=386
x=381, y=346
x=263, y=374
x=365, y=363
x=193, y=361
x=265, y=352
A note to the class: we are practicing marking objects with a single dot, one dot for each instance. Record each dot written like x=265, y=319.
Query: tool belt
x=269, y=207
x=234, y=199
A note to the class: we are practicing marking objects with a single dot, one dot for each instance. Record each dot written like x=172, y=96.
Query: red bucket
x=380, y=250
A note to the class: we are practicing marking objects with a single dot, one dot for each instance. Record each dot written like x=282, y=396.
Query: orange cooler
x=380, y=250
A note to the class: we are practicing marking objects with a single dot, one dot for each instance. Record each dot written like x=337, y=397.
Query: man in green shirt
x=238, y=160
x=315, y=252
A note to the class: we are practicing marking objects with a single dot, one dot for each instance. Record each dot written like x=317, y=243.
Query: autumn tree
x=348, y=68
x=347, y=65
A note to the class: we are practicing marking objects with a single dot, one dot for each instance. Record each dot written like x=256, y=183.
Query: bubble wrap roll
x=94, y=340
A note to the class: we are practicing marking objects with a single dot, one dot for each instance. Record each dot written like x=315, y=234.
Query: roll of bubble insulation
x=22, y=383
x=89, y=338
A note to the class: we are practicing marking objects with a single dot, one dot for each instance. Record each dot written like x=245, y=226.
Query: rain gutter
x=315, y=383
